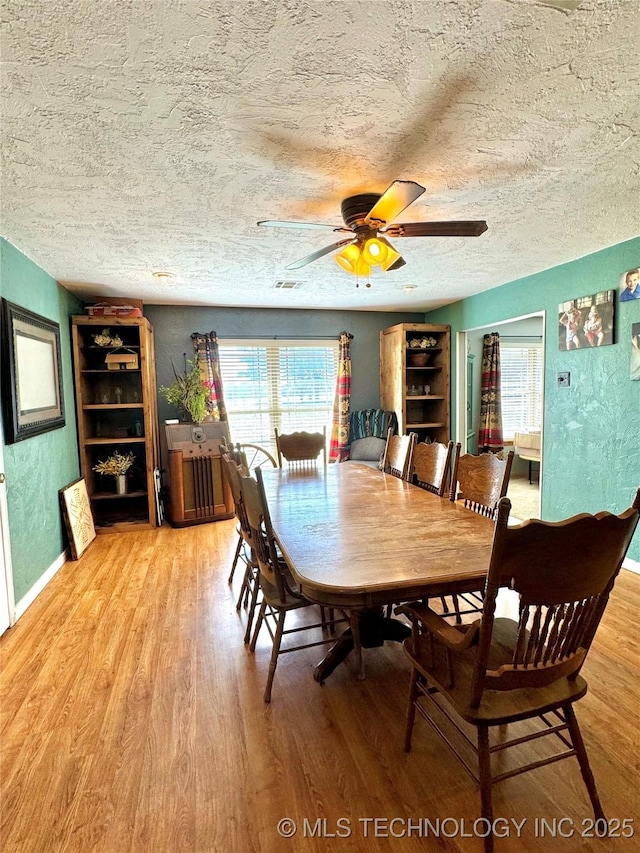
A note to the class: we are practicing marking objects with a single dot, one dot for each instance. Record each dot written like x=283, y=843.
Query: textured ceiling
x=142, y=136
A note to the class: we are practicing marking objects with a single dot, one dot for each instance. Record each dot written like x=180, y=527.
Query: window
x=521, y=386
x=288, y=385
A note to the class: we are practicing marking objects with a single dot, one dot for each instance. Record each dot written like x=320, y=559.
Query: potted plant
x=188, y=392
x=116, y=466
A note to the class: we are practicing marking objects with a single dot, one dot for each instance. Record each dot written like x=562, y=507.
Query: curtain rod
x=280, y=337
x=520, y=337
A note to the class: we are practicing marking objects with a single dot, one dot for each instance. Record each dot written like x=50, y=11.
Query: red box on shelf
x=122, y=309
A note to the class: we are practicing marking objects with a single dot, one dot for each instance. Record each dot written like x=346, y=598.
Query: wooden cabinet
x=415, y=361
x=116, y=406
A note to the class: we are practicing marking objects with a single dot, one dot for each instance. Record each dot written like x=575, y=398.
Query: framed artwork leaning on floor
x=78, y=520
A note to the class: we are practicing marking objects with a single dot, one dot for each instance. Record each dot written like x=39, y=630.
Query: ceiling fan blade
x=393, y=201
x=462, y=228
x=316, y=226
x=314, y=257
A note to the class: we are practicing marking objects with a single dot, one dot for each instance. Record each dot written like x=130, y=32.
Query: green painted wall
x=37, y=467
x=591, y=453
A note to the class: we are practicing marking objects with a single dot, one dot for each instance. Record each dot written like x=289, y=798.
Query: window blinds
x=287, y=384
x=521, y=381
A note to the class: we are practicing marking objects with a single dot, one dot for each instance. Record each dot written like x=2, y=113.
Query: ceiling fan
x=368, y=219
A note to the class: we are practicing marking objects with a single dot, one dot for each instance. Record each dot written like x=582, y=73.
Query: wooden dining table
x=358, y=539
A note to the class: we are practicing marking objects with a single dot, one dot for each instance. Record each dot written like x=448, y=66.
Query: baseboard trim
x=631, y=565
x=28, y=599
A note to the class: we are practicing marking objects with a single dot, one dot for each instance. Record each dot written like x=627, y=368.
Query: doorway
x=522, y=342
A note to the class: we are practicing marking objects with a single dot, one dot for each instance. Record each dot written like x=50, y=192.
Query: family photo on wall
x=630, y=285
x=587, y=321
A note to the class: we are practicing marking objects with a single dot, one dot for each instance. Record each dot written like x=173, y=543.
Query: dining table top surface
x=354, y=535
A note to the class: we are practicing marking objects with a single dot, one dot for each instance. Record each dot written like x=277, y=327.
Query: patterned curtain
x=342, y=402
x=490, y=433
x=206, y=349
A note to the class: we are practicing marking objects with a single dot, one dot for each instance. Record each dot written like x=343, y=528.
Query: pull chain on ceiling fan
x=368, y=218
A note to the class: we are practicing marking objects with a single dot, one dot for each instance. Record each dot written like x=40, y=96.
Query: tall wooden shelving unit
x=427, y=414
x=117, y=410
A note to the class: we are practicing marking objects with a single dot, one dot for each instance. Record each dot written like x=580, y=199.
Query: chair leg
x=263, y=609
x=275, y=651
x=236, y=558
x=583, y=760
x=411, y=710
x=456, y=608
x=242, y=596
x=252, y=607
x=332, y=616
x=484, y=767
x=323, y=618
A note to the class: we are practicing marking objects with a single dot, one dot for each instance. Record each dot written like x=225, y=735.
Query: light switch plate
x=564, y=380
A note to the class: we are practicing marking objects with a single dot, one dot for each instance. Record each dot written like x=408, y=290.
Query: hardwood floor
x=132, y=720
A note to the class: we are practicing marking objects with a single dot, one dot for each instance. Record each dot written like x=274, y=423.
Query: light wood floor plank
x=132, y=720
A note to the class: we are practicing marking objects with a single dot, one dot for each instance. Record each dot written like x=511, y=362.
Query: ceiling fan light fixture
x=351, y=260
x=374, y=252
x=397, y=264
x=391, y=256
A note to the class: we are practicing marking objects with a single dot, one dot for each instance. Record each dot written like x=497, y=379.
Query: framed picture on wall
x=31, y=374
x=630, y=285
x=587, y=321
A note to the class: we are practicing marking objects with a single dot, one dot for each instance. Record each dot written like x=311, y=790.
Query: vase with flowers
x=116, y=466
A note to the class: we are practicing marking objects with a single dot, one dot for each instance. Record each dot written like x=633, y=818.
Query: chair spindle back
x=398, y=453
x=301, y=449
x=480, y=481
x=563, y=573
x=431, y=466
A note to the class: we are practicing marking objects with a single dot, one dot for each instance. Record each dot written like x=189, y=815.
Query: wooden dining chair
x=301, y=449
x=228, y=454
x=397, y=454
x=478, y=482
x=430, y=469
x=431, y=466
x=497, y=671
x=250, y=587
x=280, y=593
x=255, y=455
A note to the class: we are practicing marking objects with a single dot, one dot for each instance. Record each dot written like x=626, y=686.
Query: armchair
x=368, y=430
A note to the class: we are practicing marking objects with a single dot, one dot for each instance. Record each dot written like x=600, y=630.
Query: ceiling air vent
x=284, y=284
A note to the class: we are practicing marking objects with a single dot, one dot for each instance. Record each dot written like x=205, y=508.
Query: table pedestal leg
x=374, y=630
